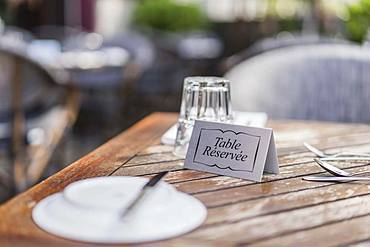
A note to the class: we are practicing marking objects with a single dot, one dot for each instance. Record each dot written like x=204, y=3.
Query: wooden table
x=282, y=209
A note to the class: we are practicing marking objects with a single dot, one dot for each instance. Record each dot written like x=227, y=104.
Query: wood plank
x=101, y=162
x=298, y=131
x=146, y=169
x=240, y=212
x=314, y=196
x=303, y=156
x=360, y=243
x=335, y=142
x=282, y=223
x=286, y=172
x=323, y=134
x=184, y=175
x=152, y=158
x=242, y=193
x=210, y=182
x=287, y=160
x=154, y=149
x=284, y=202
x=341, y=233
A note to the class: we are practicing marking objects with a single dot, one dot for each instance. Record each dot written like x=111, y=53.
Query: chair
x=151, y=77
x=321, y=82
x=100, y=69
x=59, y=33
x=272, y=43
x=35, y=113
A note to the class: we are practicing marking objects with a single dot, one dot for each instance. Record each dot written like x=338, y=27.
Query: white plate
x=114, y=193
x=79, y=214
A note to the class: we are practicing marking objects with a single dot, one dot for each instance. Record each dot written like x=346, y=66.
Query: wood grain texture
x=15, y=215
x=281, y=209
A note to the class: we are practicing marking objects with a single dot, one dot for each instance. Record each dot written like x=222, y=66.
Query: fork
x=337, y=156
x=337, y=171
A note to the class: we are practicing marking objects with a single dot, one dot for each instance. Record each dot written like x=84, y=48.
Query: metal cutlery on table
x=335, y=179
x=347, y=158
x=340, y=175
x=147, y=188
x=338, y=156
x=337, y=171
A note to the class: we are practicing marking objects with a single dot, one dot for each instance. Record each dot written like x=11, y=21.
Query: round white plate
x=114, y=193
x=84, y=212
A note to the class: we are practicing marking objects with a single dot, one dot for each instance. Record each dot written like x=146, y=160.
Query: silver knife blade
x=346, y=158
x=335, y=179
x=146, y=189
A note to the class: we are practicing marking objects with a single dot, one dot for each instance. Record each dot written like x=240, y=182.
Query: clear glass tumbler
x=203, y=98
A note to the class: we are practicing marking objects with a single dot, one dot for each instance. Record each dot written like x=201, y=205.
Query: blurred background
x=74, y=73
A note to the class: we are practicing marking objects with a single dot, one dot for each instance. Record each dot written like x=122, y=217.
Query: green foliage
x=290, y=25
x=359, y=20
x=167, y=15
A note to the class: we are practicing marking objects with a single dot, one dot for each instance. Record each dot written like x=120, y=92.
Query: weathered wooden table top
x=282, y=210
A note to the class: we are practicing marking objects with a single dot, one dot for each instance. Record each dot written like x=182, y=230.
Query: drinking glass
x=203, y=98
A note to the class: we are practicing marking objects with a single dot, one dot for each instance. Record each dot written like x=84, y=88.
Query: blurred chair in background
x=140, y=48
x=176, y=56
x=272, y=43
x=104, y=71
x=58, y=33
x=328, y=82
x=143, y=57
x=99, y=69
x=35, y=113
x=15, y=39
x=17, y=33
x=150, y=76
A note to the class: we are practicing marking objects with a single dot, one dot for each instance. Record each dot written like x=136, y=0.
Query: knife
x=335, y=179
x=346, y=158
x=147, y=188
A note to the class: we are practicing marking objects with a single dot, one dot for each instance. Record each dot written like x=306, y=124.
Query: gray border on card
x=262, y=154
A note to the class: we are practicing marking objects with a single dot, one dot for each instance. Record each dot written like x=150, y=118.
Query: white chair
x=320, y=82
